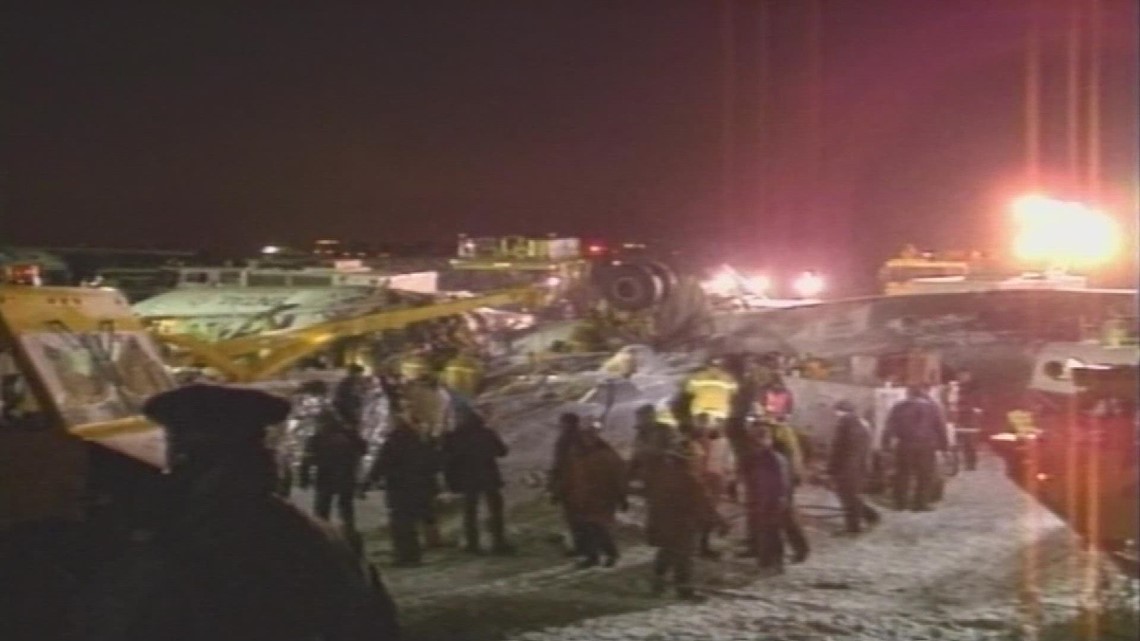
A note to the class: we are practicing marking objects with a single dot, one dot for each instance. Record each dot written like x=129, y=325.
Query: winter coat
x=718, y=465
x=234, y=562
x=917, y=425
x=335, y=452
x=648, y=444
x=427, y=407
x=850, y=449
x=786, y=441
x=591, y=482
x=766, y=479
x=469, y=458
x=408, y=466
x=677, y=498
x=348, y=399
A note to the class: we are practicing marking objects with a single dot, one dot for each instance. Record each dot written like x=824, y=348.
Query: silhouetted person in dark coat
x=348, y=397
x=408, y=466
x=471, y=468
x=847, y=467
x=916, y=430
x=334, y=451
x=231, y=560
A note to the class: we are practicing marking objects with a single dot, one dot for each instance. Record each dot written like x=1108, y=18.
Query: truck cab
x=80, y=468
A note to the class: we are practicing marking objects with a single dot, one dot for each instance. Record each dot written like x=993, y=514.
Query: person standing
x=678, y=511
x=767, y=482
x=348, y=397
x=334, y=451
x=590, y=483
x=408, y=467
x=916, y=432
x=786, y=442
x=847, y=467
x=470, y=453
x=968, y=419
x=230, y=560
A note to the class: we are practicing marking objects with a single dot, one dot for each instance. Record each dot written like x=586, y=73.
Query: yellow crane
x=262, y=356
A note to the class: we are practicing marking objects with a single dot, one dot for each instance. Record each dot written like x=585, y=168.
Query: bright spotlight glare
x=271, y=249
x=722, y=283
x=759, y=283
x=553, y=281
x=808, y=285
x=1063, y=233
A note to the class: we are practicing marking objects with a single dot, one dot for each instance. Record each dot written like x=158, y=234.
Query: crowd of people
x=225, y=517
x=683, y=466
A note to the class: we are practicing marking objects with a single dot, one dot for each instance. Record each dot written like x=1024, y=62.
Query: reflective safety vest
x=712, y=389
x=413, y=366
x=463, y=374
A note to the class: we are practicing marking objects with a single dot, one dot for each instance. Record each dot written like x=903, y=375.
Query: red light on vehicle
x=595, y=249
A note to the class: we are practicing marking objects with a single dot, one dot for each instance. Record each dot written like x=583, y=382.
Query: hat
x=216, y=411
x=845, y=405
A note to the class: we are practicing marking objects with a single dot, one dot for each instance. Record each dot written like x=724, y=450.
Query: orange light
x=1063, y=233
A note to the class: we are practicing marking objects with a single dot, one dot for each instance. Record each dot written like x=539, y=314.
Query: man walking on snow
x=916, y=431
x=847, y=467
x=471, y=468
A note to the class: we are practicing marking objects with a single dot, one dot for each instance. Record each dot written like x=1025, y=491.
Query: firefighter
x=230, y=560
x=847, y=467
x=334, y=451
x=712, y=388
x=916, y=431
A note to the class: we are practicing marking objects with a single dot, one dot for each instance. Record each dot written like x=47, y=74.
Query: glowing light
x=1063, y=233
x=722, y=283
x=553, y=281
x=595, y=249
x=759, y=283
x=808, y=285
x=269, y=250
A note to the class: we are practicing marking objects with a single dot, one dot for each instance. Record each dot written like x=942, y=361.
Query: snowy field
x=963, y=571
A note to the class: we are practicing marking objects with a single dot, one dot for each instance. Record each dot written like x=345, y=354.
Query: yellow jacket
x=712, y=389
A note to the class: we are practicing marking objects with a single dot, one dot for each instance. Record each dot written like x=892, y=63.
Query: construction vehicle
x=263, y=356
x=80, y=467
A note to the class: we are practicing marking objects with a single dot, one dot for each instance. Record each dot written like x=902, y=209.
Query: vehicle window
x=97, y=376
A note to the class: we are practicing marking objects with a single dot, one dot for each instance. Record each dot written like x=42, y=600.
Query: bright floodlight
x=723, y=283
x=270, y=249
x=759, y=284
x=553, y=281
x=1063, y=233
x=808, y=285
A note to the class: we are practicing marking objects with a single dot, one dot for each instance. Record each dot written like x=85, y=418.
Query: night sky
x=888, y=121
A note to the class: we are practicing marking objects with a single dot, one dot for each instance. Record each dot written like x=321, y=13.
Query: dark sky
x=198, y=127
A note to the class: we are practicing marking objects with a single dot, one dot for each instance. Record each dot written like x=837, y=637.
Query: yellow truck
x=79, y=466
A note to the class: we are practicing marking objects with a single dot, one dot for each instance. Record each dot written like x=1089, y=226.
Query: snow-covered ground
x=987, y=564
